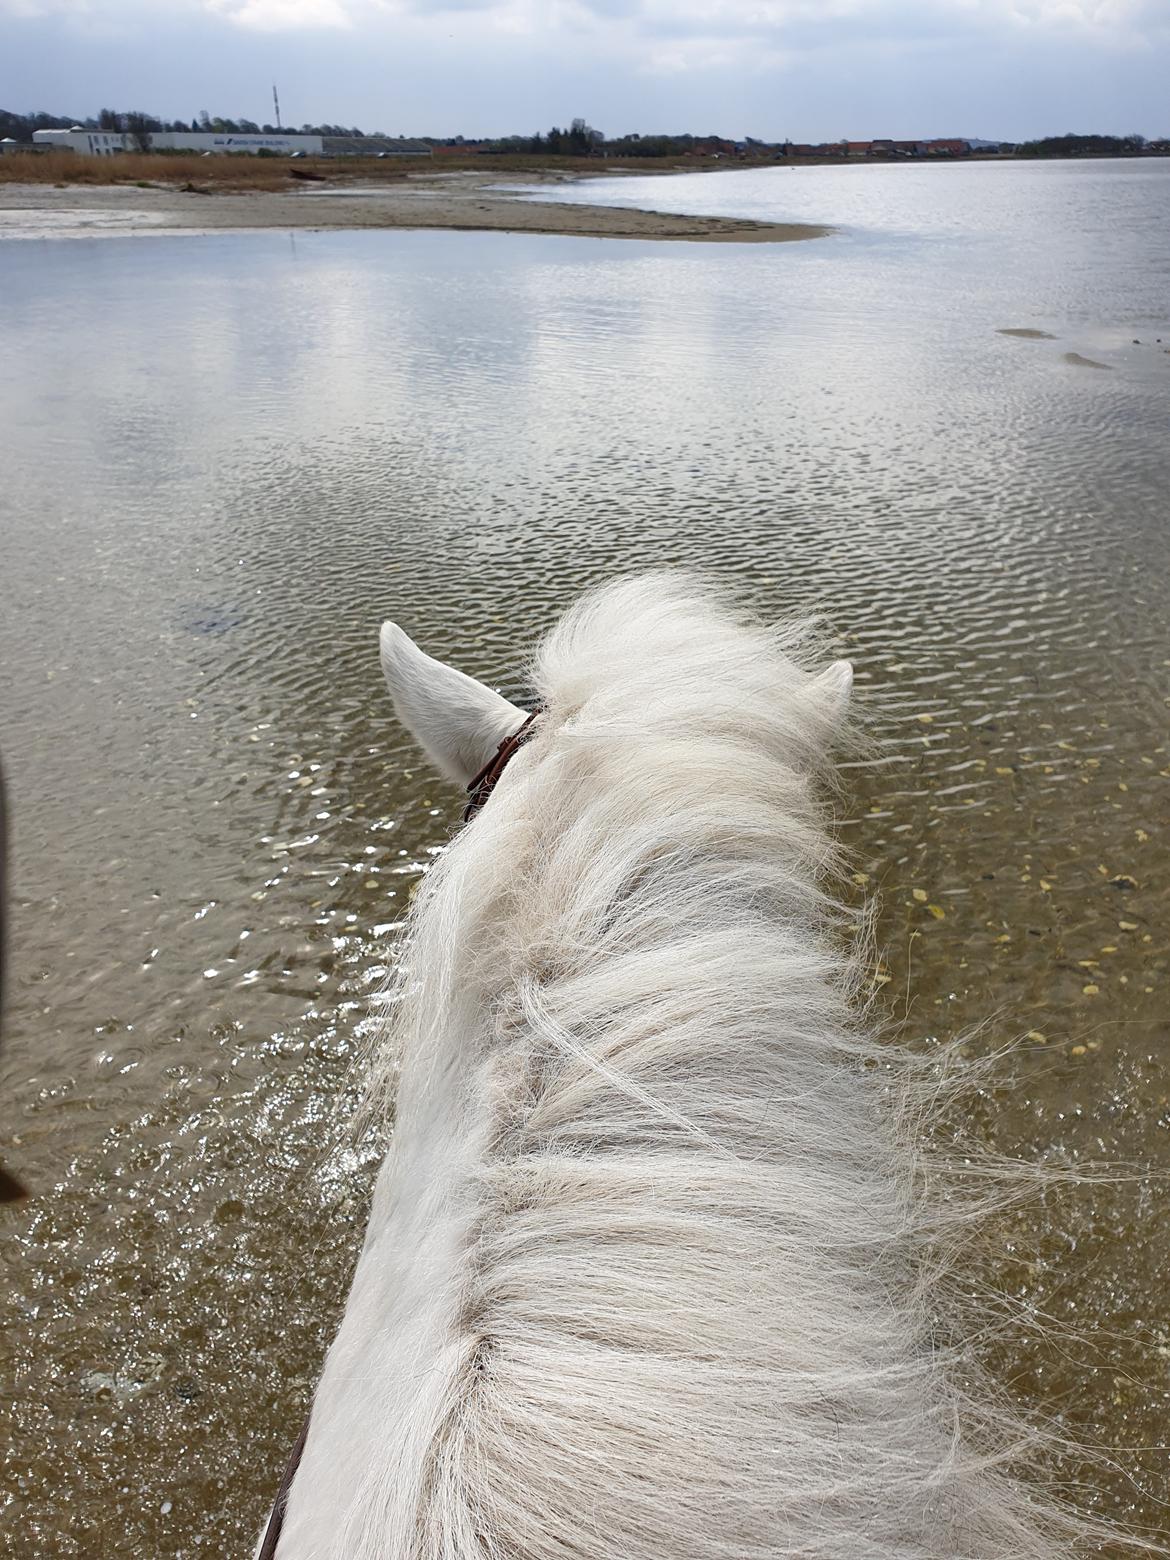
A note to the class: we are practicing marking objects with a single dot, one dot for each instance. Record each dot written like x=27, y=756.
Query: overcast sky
x=806, y=69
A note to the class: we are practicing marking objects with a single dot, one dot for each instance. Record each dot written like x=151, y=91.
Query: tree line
x=137, y=125
x=580, y=139
x=1071, y=145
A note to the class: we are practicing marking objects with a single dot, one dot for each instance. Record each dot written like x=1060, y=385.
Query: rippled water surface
x=228, y=457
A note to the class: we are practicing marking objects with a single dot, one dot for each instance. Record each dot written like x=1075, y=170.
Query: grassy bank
x=225, y=173
x=177, y=170
x=282, y=173
x=216, y=173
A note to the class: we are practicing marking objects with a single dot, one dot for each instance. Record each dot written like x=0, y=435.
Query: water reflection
x=229, y=460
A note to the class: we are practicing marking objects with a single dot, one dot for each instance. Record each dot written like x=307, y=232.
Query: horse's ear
x=828, y=693
x=458, y=722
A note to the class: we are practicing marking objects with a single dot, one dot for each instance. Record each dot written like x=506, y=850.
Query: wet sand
x=457, y=201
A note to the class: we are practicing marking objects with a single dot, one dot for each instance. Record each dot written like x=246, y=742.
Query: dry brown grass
x=240, y=172
x=226, y=173
x=173, y=170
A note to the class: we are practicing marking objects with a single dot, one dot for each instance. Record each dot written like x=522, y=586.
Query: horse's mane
x=706, y=1298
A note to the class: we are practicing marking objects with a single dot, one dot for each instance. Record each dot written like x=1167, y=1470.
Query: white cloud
x=28, y=8
x=283, y=15
x=715, y=18
x=260, y=15
x=655, y=19
x=810, y=68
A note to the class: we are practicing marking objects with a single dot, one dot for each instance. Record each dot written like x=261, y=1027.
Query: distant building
x=881, y=148
x=90, y=143
x=106, y=143
x=376, y=146
x=234, y=141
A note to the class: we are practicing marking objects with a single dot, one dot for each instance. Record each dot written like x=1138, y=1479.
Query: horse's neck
x=386, y=1381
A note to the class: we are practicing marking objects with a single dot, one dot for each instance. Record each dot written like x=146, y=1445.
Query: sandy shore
x=459, y=200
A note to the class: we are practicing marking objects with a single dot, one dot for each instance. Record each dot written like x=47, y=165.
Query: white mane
x=655, y=1270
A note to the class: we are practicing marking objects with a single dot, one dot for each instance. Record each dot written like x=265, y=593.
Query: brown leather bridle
x=11, y=1189
x=267, y=1550
x=484, y=783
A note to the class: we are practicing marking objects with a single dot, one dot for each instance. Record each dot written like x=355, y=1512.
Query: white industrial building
x=236, y=141
x=105, y=143
x=93, y=143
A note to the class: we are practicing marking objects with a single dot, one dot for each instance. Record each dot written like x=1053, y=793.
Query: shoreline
x=454, y=201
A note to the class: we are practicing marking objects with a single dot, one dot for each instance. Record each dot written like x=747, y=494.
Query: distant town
x=114, y=131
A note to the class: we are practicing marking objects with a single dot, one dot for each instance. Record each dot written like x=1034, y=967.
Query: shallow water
x=228, y=457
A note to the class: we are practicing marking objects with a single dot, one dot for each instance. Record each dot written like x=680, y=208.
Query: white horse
x=655, y=1268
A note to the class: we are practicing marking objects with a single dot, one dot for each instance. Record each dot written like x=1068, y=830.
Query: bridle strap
x=10, y=1188
x=484, y=783
x=271, y=1538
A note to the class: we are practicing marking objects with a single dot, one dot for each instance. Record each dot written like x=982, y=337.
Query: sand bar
x=459, y=201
